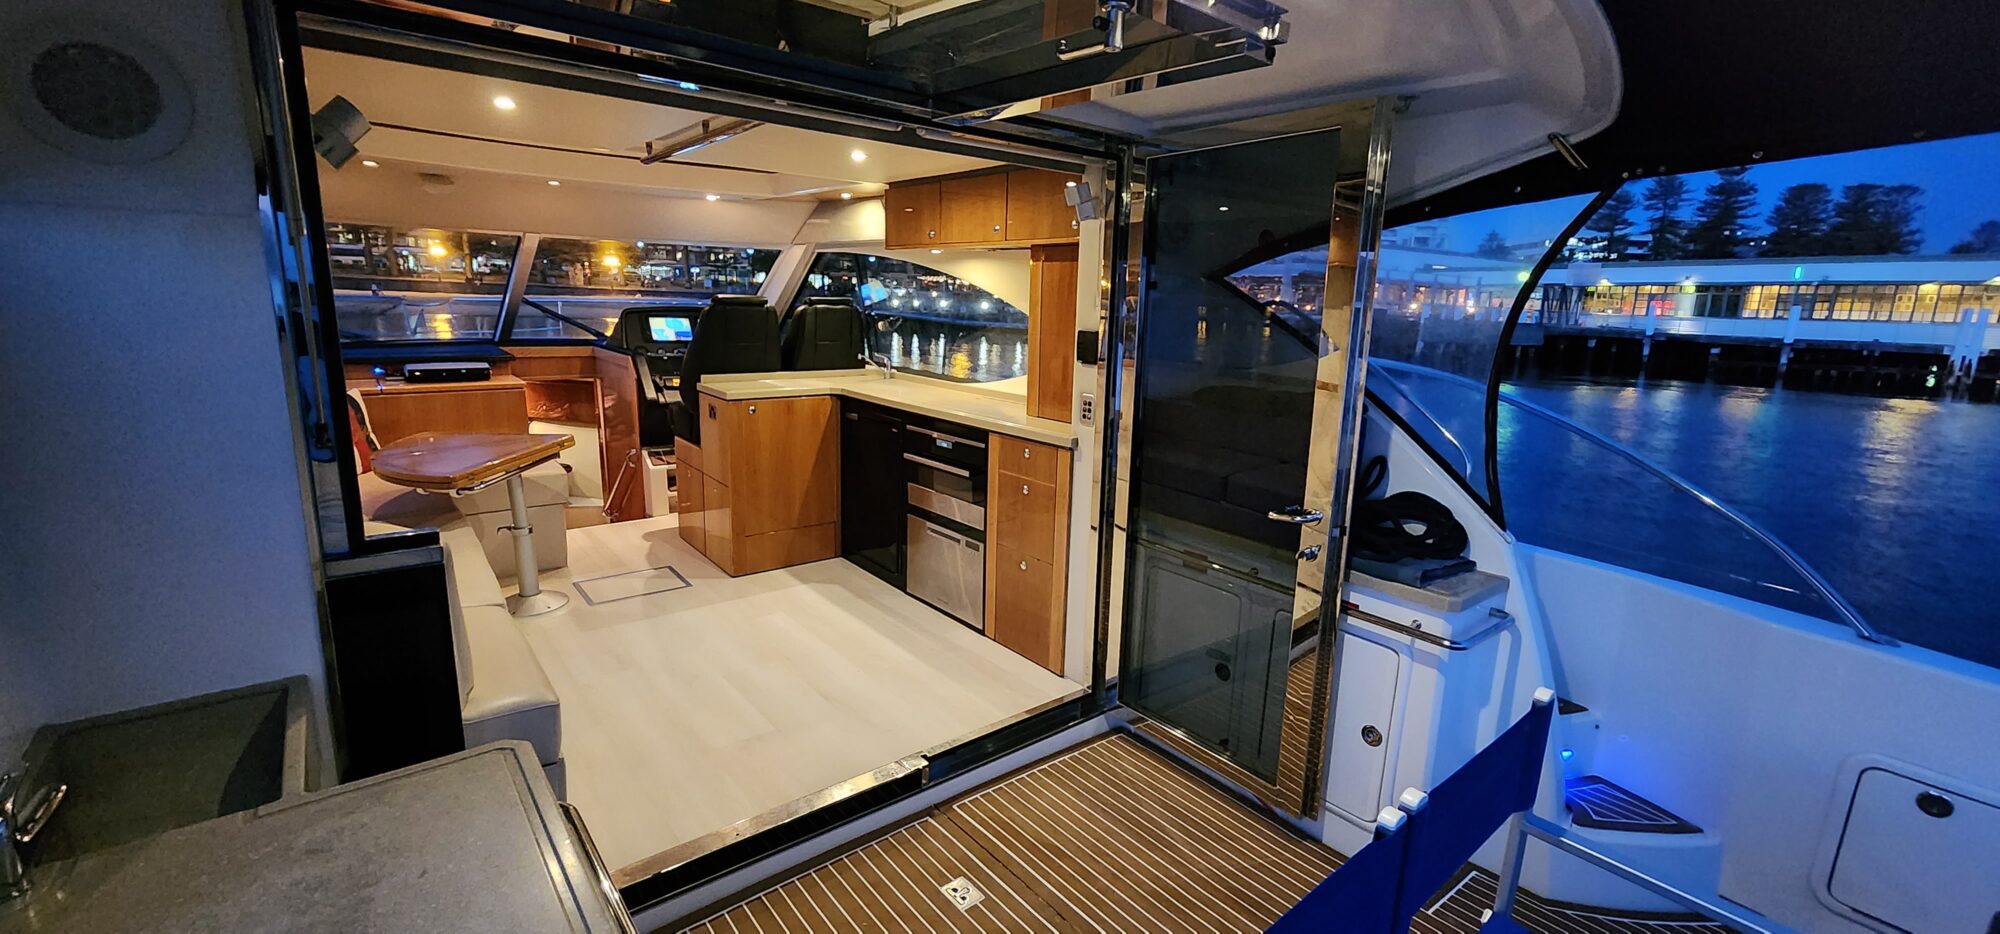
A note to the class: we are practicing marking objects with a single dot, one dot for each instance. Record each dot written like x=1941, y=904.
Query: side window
x=925, y=321
x=417, y=283
x=1747, y=380
x=593, y=280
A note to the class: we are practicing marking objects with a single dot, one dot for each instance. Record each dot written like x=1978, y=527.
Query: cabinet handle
x=1024, y=565
x=753, y=410
x=996, y=228
x=1024, y=489
x=1027, y=453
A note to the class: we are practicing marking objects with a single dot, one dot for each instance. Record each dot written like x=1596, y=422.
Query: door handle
x=1295, y=515
x=934, y=465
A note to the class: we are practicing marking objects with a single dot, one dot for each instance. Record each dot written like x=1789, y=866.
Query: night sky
x=1960, y=178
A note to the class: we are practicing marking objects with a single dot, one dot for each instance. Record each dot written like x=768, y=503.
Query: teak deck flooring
x=1107, y=836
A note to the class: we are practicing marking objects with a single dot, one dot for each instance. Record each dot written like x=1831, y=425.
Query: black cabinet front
x=873, y=489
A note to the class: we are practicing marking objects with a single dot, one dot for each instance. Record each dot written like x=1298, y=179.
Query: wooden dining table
x=462, y=463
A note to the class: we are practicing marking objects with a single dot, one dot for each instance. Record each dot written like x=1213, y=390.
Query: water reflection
x=1885, y=497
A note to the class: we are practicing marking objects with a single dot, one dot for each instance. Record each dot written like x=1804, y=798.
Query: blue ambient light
x=1566, y=753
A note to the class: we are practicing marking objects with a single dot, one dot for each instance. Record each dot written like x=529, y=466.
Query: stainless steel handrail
x=1500, y=620
x=934, y=465
x=1717, y=909
x=941, y=436
x=598, y=869
x=1848, y=614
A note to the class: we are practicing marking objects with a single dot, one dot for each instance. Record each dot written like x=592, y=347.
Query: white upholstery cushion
x=551, y=538
x=471, y=574
x=512, y=697
x=545, y=485
x=468, y=582
x=400, y=506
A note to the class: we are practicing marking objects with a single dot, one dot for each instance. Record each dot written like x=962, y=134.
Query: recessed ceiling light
x=1069, y=184
x=1222, y=207
x=857, y=155
x=713, y=197
x=846, y=195
x=504, y=102
x=370, y=163
x=937, y=251
x=554, y=184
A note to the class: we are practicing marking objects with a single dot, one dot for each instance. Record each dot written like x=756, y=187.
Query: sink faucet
x=888, y=371
x=20, y=820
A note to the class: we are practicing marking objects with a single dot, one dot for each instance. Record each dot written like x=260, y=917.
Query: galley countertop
x=992, y=409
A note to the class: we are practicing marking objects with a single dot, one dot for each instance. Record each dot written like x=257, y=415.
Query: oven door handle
x=947, y=468
x=968, y=442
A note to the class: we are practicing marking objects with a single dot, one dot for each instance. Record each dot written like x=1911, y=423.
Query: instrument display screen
x=668, y=328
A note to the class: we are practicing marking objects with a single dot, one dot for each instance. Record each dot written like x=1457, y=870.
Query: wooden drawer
x=1026, y=459
x=1024, y=611
x=1025, y=515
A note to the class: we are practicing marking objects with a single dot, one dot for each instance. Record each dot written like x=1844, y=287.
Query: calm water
x=1895, y=501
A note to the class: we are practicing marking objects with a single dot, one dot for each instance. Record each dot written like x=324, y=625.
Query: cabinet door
x=972, y=210
x=1025, y=514
x=785, y=463
x=1037, y=211
x=910, y=216
x=716, y=442
x=718, y=525
x=1024, y=612
x=689, y=480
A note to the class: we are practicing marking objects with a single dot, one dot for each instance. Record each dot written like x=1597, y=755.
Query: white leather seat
x=503, y=690
x=511, y=696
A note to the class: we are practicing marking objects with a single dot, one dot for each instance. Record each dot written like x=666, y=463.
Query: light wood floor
x=687, y=711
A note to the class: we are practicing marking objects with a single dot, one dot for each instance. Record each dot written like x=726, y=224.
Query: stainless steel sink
x=143, y=772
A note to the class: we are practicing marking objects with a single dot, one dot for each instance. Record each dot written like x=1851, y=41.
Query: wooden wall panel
x=399, y=410
x=1052, y=272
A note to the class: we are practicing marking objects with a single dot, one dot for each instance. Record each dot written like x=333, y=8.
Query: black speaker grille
x=96, y=90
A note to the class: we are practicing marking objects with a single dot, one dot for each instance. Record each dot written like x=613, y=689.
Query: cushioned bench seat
x=504, y=692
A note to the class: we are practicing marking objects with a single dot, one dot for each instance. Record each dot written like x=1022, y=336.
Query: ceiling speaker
x=97, y=91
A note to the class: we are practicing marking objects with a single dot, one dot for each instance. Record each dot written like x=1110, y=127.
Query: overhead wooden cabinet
x=910, y=216
x=769, y=477
x=1038, y=211
x=1027, y=528
x=976, y=212
x=1014, y=208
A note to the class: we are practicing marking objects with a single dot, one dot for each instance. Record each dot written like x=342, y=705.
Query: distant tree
x=1799, y=221
x=1494, y=246
x=1984, y=238
x=1721, y=219
x=1613, y=223
x=1875, y=219
x=1663, y=199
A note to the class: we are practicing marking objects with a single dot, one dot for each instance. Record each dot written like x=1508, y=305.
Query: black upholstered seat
x=822, y=334
x=734, y=334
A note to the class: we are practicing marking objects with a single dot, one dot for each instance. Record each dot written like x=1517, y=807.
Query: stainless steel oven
x=945, y=532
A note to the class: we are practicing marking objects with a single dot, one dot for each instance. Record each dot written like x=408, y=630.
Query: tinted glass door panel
x=1223, y=424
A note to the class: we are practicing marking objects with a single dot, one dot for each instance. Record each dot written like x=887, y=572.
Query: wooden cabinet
x=398, y=410
x=1037, y=208
x=1052, y=272
x=1016, y=208
x=768, y=474
x=1027, y=555
x=910, y=216
x=688, y=479
x=1024, y=607
x=972, y=210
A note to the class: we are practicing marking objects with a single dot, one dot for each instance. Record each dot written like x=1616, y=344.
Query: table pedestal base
x=547, y=601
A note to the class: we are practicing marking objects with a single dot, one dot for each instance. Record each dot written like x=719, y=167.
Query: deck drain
x=962, y=893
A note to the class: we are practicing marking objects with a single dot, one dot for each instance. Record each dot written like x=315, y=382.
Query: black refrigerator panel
x=874, y=492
